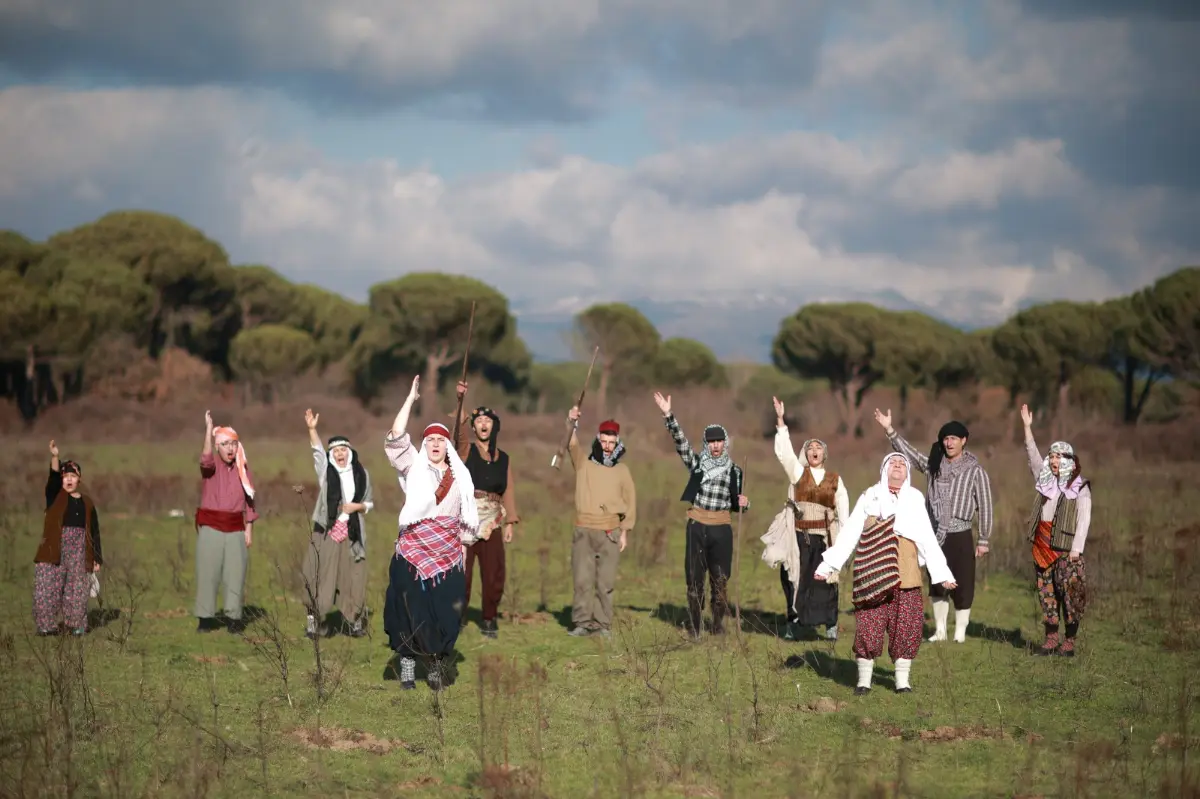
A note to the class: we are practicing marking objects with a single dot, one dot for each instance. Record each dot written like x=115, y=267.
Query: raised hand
x=1026, y=416
x=53, y=449
x=462, y=388
x=414, y=393
x=311, y=419
x=663, y=403
x=208, y=422
x=884, y=419
x=778, y=408
x=574, y=413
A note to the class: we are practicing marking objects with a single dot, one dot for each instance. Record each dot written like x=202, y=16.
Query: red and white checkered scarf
x=432, y=546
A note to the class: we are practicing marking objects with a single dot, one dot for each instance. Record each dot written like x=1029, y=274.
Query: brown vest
x=50, y=550
x=825, y=494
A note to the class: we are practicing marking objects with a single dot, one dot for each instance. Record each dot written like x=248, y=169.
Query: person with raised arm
x=713, y=493
x=891, y=537
x=1057, y=528
x=335, y=563
x=605, y=514
x=69, y=552
x=958, y=490
x=821, y=506
x=491, y=472
x=422, y=612
x=224, y=527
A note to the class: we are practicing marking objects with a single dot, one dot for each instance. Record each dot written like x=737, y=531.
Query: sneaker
x=489, y=629
x=831, y=633
x=604, y=632
x=790, y=633
x=861, y=690
x=357, y=630
x=580, y=631
x=904, y=690
x=48, y=632
x=79, y=631
x=310, y=627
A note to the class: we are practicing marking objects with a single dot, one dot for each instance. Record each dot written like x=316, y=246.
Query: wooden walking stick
x=737, y=556
x=566, y=442
x=466, y=355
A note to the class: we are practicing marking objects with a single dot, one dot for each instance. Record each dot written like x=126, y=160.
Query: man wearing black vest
x=714, y=492
x=491, y=472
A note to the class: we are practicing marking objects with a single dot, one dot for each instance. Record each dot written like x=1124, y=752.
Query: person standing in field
x=713, y=493
x=422, y=612
x=224, y=527
x=605, y=514
x=69, y=552
x=1058, y=527
x=891, y=537
x=491, y=473
x=958, y=490
x=821, y=505
x=336, y=560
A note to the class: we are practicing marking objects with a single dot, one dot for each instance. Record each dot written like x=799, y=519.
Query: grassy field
x=144, y=706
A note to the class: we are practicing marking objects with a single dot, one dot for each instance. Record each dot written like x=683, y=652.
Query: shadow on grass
x=843, y=671
x=102, y=617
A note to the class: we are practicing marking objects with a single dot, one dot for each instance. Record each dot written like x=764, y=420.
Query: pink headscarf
x=223, y=433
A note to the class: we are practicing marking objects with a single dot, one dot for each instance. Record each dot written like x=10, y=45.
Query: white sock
x=865, y=667
x=961, y=619
x=903, y=665
x=408, y=670
x=941, y=612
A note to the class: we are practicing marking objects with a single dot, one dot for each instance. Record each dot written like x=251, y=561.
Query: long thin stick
x=466, y=355
x=566, y=442
x=737, y=556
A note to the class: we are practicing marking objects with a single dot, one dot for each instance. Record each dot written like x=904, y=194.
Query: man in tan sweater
x=605, y=512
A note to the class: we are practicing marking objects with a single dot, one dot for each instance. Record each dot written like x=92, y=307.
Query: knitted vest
x=1062, y=531
x=876, y=563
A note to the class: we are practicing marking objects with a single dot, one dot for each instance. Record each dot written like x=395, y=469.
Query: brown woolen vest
x=50, y=550
x=824, y=494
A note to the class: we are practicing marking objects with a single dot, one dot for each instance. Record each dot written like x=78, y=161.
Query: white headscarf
x=345, y=474
x=911, y=522
x=420, y=489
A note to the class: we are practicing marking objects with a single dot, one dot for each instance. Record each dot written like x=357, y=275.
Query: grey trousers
x=330, y=569
x=594, y=557
x=220, y=557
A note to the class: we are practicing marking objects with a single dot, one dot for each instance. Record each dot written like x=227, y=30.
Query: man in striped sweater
x=958, y=490
x=714, y=493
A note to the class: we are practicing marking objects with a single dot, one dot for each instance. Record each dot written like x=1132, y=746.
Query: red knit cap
x=436, y=429
x=610, y=428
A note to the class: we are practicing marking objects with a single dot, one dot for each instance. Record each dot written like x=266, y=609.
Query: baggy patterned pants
x=62, y=588
x=1062, y=591
x=901, y=618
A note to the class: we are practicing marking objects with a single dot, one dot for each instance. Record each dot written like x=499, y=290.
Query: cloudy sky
x=716, y=162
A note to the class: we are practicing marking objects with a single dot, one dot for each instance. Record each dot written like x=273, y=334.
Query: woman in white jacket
x=891, y=538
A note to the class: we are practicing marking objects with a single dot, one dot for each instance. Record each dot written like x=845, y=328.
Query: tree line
x=135, y=284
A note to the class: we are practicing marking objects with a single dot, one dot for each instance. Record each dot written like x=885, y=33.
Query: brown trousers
x=594, y=559
x=329, y=570
x=490, y=554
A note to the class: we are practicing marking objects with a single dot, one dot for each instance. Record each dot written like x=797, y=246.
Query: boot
x=941, y=612
x=1051, y=645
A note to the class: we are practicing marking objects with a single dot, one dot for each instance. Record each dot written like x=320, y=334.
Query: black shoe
x=236, y=626
x=861, y=690
x=408, y=685
x=207, y=624
x=489, y=628
x=904, y=690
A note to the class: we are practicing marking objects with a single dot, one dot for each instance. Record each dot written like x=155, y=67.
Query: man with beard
x=713, y=492
x=605, y=512
x=491, y=472
x=958, y=489
x=821, y=507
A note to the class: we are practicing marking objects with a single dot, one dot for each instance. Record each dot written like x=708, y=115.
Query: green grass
x=145, y=706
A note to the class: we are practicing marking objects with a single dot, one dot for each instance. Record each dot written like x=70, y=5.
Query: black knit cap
x=70, y=467
x=714, y=432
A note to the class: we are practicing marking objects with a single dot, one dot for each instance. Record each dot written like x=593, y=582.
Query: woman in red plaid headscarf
x=427, y=584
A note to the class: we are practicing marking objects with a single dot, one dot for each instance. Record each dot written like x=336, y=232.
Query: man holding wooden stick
x=713, y=494
x=605, y=513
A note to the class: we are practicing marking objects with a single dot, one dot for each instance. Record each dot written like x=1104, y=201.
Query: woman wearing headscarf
x=224, y=526
x=1058, y=527
x=819, y=507
x=69, y=552
x=891, y=538
x=336, y=560
x=426, y=590
x=958, y=489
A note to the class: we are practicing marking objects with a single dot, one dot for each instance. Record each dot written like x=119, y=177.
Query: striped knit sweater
x=876, y=564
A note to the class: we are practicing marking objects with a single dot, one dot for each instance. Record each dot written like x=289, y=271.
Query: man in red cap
x=605, y=512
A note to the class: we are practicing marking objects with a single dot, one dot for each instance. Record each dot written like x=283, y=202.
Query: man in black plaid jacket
x=714, y=492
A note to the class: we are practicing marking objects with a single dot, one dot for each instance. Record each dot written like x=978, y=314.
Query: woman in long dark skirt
x=426, y=589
